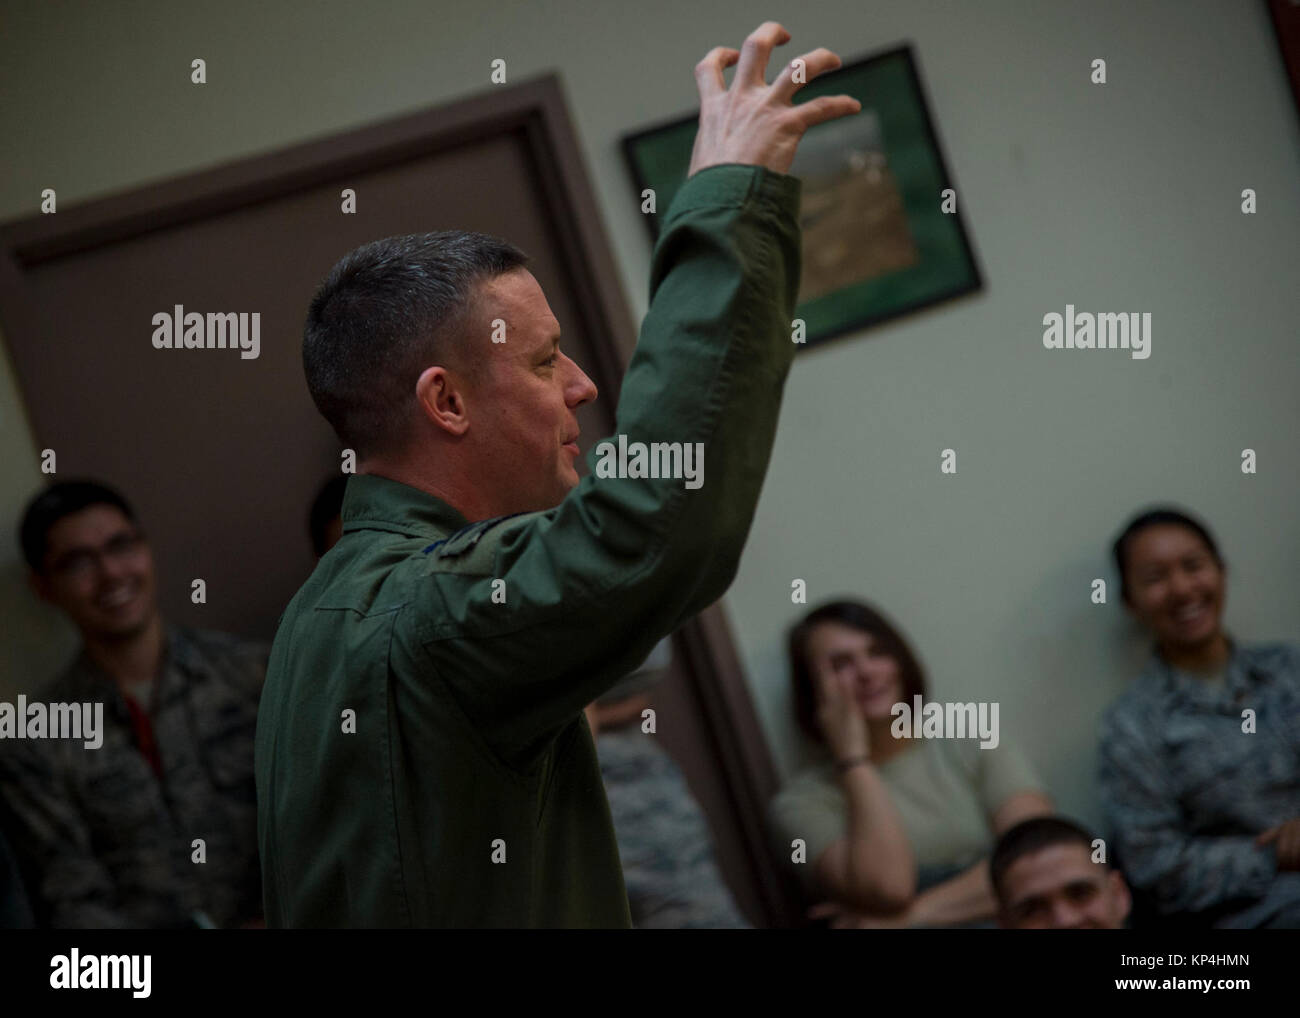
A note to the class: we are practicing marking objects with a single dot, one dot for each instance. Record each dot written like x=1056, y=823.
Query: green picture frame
x=878, y=242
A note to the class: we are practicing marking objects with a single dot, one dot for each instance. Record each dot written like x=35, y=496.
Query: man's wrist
x=843, y=766
x=735, y=185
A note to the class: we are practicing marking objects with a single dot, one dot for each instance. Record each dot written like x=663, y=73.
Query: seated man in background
x=1200, y=756
x=897, y=831
x=663, y=839
x=1045, y=879
x=112, y=831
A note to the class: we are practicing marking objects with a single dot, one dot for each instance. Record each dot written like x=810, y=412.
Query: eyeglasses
x=81, y=562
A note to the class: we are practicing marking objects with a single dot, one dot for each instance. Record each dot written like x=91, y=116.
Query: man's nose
x=112, y=567
x=1181, y=585
x=581, y=389
x=1066, y=916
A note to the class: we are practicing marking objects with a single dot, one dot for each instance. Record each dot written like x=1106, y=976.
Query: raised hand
x=753, y=122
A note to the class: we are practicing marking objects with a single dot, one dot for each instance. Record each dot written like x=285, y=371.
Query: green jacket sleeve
x=592, y=584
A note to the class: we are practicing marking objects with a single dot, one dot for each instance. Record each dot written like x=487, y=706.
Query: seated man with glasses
x=157, y=826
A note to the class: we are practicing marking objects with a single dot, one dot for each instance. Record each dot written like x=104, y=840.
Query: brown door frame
x=537, y=110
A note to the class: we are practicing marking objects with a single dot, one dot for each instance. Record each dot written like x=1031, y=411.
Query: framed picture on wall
x=880, y=237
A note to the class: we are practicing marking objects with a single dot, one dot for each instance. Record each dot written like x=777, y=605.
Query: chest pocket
x=120, y=797
x=1211, y=760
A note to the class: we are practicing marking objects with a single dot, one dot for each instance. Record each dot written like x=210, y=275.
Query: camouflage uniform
x=1187, y=791
x=663, y=840
x=110, y=841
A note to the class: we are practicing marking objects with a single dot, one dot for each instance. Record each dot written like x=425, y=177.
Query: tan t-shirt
x=945, y=790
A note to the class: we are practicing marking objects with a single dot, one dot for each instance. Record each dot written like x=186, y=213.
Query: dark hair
x=325, y=507
x=385, y=312
x=1152, y=518
x=55, y=502
x=861, y=617
x=1030, y=836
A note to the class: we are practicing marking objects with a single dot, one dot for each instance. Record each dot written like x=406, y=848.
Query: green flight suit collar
x=371, y=502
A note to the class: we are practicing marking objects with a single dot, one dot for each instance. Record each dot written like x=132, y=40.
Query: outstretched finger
x=756, y=52
x=801, y=70
x=708, y=72
x=828, y=107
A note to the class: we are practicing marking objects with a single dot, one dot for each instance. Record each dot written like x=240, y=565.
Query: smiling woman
x=1172, y=579
x=1204, y=740
x=895, y=831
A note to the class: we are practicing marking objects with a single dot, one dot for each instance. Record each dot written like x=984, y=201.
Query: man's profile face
x=1060, y=888
x=99, y=569
x=522, y=402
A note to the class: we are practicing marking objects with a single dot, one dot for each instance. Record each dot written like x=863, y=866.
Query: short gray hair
x=385, y=312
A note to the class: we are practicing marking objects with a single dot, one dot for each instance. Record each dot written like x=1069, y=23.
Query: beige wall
x=1120, y=197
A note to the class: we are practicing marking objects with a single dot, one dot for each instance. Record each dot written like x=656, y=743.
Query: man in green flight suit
x=422, y=755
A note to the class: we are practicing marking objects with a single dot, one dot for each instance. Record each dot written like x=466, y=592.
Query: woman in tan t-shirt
x=897, y=830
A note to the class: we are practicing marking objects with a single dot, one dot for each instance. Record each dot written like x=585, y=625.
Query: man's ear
x=442, y=399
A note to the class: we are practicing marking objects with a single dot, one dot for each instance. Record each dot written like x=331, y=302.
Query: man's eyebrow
x=58, y=558
x=76, y=549
x=83, y=548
